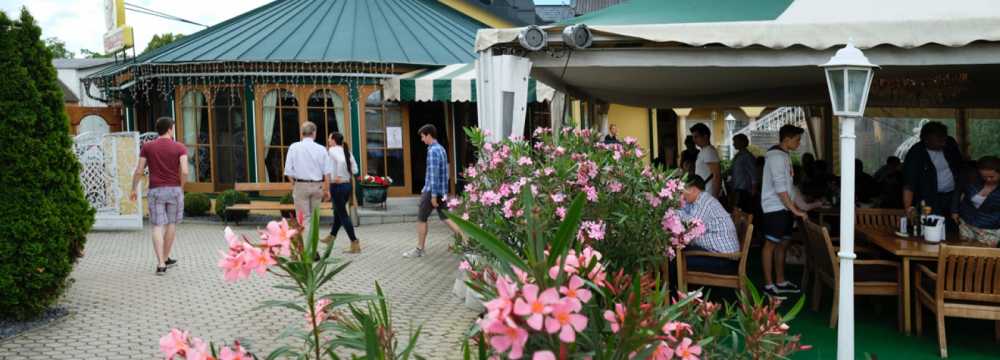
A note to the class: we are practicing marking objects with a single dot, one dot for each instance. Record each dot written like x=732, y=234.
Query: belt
x=308, y=181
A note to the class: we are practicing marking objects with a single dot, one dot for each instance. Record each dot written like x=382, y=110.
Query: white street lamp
x=848, y=76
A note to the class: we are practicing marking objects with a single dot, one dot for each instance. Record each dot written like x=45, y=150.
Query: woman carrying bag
x=341, y=188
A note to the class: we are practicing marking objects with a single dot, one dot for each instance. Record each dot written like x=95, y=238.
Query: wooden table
x=908, y=249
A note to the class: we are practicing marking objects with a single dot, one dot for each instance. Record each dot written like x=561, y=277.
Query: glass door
x=229, y=137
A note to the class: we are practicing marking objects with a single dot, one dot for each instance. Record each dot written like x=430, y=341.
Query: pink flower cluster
x=683, y=232
x=322, y=314
x=591, y=230
x=244, y=257
x=179, y=343
x=589, y=261
x=516, y=311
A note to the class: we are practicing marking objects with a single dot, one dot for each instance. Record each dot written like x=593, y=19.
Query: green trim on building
x=355, y=100
x=532, y=91
x=250, y=114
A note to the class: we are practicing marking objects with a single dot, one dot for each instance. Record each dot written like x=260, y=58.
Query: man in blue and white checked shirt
x=435, y=188
x=720, y=232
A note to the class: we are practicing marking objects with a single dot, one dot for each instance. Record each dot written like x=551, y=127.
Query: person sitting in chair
x=720, y=232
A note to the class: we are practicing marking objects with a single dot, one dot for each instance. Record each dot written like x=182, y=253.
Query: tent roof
x=779, y=24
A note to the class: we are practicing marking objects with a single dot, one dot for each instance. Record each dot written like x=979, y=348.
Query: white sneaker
x=415, y=253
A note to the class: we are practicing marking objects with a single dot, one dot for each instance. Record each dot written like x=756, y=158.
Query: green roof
x=416, y=32
x=636, y=12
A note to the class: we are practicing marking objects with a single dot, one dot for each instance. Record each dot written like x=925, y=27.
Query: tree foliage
x=45, y=215
x=161, y=40
x=58, y=48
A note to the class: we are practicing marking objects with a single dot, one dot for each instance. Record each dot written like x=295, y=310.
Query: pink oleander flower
x=630, y=140
x=652, y=200
x=508, y=208
x=575, y=293
x=173, y=343
x=520, y=274
x=507, y=336
x=672, y=222
x=278, y=236
x=321, y=313
x=615, y=187
x=487, y=133
x=464, y=266
x=676, y=328
x=535, y=306
x=593, y=230
x=558, y=198
x=662, y=352
x=647, y=172
x=465, y=216
x=543, y=355
x=591, y=193
x=198, y=351
x=471, y=172
x=454, y=203
x=524, y=160
x=256, y=259
x=500, y=308
x=490, y=198
x=565, y=321
x=638, y=153
x=239, y=353
x=548, y=171
x=560, y=151
x=561, y=213
x=686, y=351
x=616, y=318
x=534, y=190
x=674, y=186
x=233, y=263
x=571, y=267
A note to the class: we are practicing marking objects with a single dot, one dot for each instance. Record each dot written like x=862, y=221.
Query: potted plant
x=375, y=188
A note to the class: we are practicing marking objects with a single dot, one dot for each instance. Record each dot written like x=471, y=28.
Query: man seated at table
x=720, y=232
x=979, y=211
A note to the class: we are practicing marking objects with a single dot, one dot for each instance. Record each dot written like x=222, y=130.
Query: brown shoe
x=355, y=248
x=329, y=239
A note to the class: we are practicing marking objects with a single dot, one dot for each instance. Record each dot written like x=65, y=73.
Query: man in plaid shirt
x=720, y=232
x=435, y=188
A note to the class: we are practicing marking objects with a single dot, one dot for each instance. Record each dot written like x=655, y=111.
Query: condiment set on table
x=930, y=227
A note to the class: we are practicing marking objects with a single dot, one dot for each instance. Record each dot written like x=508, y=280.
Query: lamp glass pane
x=856, y=82
x=836, y=78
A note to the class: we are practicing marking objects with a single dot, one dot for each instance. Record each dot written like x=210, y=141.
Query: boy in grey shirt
x=779, y=209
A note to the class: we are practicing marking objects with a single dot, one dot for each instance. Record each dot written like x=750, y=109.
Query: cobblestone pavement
x=119, y=309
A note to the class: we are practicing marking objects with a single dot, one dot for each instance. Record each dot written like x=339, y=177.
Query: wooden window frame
x=209, y=93
x=365, y=91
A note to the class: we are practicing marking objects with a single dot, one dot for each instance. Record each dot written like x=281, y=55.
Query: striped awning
x=453, y=83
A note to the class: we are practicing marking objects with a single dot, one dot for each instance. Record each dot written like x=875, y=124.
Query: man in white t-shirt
x=707, y=166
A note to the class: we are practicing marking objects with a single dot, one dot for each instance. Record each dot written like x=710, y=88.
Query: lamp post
x=848, y=77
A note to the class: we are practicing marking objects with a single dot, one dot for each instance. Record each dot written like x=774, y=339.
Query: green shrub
x=45, y=214
x=228, y=198
x=196, y=204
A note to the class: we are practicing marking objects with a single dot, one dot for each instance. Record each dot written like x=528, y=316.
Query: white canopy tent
x=687, y=62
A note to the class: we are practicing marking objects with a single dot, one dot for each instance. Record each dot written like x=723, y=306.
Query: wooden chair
x=879, y=218
x=871, y=277
x=966, y=284
x=744, y=226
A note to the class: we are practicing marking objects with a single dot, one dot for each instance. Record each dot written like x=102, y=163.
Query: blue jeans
x=341, y=194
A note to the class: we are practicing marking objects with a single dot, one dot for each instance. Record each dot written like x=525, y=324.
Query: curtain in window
x=270, y=110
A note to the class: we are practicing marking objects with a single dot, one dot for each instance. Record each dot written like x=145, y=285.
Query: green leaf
x=489, y=241
x=340, y=299
x=567, y=230
x=280, y=303
x=757, y=300
x=329, y=275
x=283, y=351
x=795, y=310
x=412, y=343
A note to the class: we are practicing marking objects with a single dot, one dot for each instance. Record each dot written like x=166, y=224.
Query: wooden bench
x=268, y=206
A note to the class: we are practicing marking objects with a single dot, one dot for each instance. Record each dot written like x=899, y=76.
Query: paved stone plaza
x=119, y=309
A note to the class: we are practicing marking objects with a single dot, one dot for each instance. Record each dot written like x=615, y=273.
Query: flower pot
x=473, y=301
x=459, y=287
x=374, y=194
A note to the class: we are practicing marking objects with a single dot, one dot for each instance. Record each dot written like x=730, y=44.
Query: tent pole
x=845, y=330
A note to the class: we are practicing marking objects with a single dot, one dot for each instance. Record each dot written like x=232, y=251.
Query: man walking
x=168, y=169
x=707, y=164
x=308, y=167
x=435, y=188
x=779, y=210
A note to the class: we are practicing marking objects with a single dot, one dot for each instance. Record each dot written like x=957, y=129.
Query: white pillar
x=501, y=93
x=845, y=330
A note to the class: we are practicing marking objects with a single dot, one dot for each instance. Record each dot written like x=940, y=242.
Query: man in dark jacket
x=930, y=172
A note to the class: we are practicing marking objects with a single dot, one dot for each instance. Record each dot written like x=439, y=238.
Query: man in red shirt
x=168, y=168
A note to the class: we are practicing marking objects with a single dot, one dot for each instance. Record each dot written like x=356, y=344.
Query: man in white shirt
x=707, y=165
x=308, y=166
x=779, y=209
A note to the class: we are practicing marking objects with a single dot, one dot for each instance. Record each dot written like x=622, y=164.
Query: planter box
x=374, y=194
